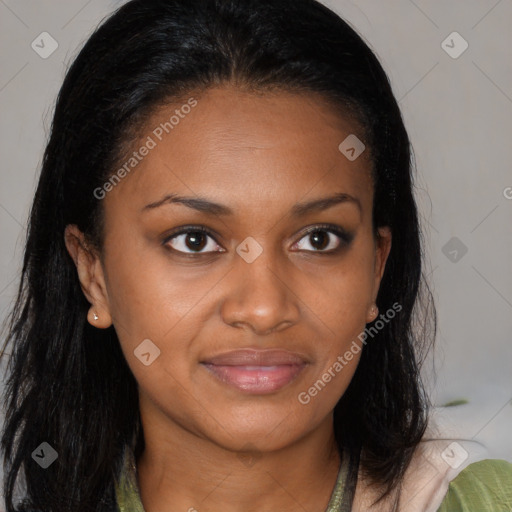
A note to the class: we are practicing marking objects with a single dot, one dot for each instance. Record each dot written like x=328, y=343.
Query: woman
x=222, y=271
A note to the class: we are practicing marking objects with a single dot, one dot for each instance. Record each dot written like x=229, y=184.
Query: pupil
x=197, y=240
x=322, y=236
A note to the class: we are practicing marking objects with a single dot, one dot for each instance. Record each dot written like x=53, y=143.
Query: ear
x=91, y=276
x=382, y=250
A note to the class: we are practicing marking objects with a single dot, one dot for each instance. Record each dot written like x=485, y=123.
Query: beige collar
x=425, y=482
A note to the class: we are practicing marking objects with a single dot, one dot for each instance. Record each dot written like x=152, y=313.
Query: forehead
x=244, y=149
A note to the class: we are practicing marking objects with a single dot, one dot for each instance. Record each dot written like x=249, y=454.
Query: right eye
x=192, y=238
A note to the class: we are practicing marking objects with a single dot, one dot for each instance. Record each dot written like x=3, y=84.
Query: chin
x=260, y=430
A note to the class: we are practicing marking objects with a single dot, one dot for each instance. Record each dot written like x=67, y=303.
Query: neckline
x=128, y=493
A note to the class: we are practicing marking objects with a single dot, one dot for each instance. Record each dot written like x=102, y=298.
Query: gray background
x=458, y=112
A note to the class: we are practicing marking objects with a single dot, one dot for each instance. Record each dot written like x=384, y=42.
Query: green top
x=484, y=486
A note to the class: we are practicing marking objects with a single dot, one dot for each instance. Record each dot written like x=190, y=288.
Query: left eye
x=322, y=240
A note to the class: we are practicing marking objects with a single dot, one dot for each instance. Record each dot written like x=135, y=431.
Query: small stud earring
x=95, y=316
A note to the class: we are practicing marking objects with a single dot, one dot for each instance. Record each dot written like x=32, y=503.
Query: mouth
x=256, y=371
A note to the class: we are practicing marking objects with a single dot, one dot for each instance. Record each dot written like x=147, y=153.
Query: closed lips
x=256, y=358
x=254, y=371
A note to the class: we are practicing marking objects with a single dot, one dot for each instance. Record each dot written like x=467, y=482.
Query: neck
x=181, y=471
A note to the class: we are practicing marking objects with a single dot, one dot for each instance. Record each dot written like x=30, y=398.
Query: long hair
x=68, y=383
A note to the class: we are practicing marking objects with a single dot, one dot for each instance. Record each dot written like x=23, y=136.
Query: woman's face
x=249, y=166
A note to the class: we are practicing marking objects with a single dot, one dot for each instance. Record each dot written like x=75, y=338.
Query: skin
x=259, y=155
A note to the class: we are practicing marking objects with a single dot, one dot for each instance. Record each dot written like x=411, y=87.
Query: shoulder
x=438, y=475
x=423, y=486
x=484, y=486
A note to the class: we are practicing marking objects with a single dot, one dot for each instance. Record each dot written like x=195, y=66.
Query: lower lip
x=256, y=379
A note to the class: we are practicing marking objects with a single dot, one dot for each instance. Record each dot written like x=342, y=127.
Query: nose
x=260, y=296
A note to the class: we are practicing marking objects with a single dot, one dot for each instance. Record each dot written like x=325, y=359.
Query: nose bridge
x=259, y=295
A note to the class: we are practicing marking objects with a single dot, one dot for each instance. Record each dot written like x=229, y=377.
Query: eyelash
x=345, y=238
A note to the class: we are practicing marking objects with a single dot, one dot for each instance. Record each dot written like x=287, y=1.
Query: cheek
x=150, y=299
x=339, y=301
x=147, y=295
x=341, y=292
x=331, y=382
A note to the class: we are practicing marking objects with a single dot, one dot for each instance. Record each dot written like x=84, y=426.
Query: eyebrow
x=300, y=209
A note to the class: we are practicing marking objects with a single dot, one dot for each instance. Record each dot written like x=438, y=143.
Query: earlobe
x=101, y=320
x=372, y=314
